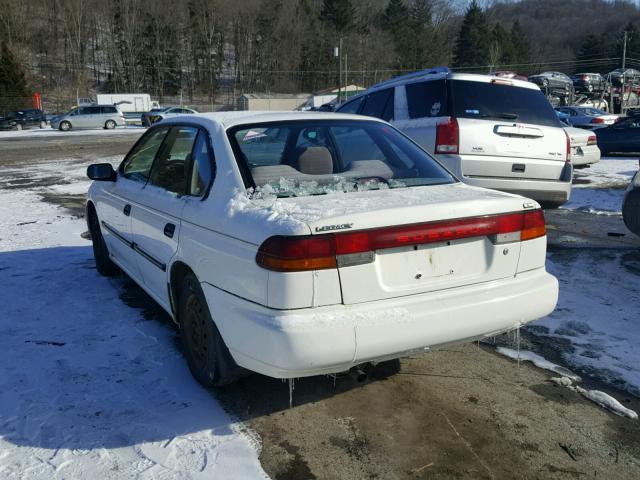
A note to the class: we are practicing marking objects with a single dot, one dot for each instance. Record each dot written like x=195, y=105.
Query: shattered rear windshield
x=300, y=158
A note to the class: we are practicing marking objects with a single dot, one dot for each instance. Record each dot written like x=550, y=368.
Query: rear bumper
x=555, y=191
x=312, y=341
x=590, y=154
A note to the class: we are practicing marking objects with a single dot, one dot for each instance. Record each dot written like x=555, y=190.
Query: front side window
x=171, y=166
x=352, y=106
x=379, y=104
x=326, y=156
x=137, y=164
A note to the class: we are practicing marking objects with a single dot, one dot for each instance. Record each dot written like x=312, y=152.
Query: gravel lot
x=463, y=412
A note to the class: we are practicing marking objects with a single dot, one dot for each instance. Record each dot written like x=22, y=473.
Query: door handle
x=169, y=230
x=127, y=210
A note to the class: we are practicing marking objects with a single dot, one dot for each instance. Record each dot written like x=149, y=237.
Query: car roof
x=231, y=119
x=439, y=75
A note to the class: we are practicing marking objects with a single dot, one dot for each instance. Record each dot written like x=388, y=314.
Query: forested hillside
x=217, y=49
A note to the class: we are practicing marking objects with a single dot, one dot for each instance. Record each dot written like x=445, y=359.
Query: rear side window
x=379, y=104
x=202, y=172
x=427, y=99
x=171, y=166
x=138, y=163
x=109, y=110
x=93, y=110
x=494, y=101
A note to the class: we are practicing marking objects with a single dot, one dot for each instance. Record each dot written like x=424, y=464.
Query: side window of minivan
x=379, y=104
x=109, y=110
x=138, y=163
x=427, y=99
x=92, y=110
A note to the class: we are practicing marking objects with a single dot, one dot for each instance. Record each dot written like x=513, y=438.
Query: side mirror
x=102, y=172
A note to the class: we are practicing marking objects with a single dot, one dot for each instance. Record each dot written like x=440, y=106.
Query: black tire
x=65, y=126
x=631, y=210
x=104, y=265
x=110, y=125
x=207, y=355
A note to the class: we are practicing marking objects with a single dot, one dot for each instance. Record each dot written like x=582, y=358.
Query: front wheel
x=207, y=356
x=104, y=265
x=110, y=125
x=65, y=126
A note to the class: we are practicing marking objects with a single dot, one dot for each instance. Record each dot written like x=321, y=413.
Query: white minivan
x=491, y=132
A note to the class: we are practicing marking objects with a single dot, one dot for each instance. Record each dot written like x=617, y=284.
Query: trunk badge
x=329, y=228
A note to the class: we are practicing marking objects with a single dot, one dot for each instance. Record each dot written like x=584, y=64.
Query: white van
x=491, y=132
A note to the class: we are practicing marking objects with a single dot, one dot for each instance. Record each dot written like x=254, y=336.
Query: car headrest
x=315, y=161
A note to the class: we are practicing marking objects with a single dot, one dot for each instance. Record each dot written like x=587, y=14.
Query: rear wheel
x=110, y=125
x=207, y=355
x=104, y=265
x=65, y=126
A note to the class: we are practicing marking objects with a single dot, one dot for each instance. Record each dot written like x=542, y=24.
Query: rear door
x=156, y=220
x=506, y=130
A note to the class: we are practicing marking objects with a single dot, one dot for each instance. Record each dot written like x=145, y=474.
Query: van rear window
x=492, y=101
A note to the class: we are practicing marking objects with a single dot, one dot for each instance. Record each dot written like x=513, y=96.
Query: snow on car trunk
x=419, y=239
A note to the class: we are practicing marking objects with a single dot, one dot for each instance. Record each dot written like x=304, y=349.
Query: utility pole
x=624, y=50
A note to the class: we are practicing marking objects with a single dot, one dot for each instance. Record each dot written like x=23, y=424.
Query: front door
x=119, y=201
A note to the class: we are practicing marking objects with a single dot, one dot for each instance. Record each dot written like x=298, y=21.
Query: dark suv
x=22, y=119
x=589, y=82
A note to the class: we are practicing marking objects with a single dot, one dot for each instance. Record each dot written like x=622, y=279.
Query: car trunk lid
x=404, y=261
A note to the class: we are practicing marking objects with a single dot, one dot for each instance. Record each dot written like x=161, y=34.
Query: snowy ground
x=596, y=323
x=89, y=388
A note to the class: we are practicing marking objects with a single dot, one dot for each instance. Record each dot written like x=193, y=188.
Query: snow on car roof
x=232, y=119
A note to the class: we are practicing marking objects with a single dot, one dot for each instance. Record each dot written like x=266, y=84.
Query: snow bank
x=539, y=362
x=50, y=132
x=566, y=380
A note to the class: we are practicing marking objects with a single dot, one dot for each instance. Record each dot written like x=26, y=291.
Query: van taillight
x=567, y=158
x=447, y=136
x=319, y=252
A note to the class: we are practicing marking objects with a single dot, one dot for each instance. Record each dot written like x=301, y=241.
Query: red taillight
x=597, y=120
x=317, y=252
x=447, y=136
x=568, y=152
x=592, y=140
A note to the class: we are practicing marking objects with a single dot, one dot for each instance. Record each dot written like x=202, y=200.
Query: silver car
x=94, y=116
x=588, y=117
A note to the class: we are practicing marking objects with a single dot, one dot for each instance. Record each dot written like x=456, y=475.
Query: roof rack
x=421, y=73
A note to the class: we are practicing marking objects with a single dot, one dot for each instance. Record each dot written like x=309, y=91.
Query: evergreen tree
x=520, y=49
x=13, y=85
x=396, y=21
x=474, y=39
x=339, y=14
x=423, y=34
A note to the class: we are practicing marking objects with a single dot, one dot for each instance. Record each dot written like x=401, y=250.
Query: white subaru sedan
x=297, y=244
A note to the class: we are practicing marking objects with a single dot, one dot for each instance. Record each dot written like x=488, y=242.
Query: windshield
x=299, y=158
x=496, y=101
